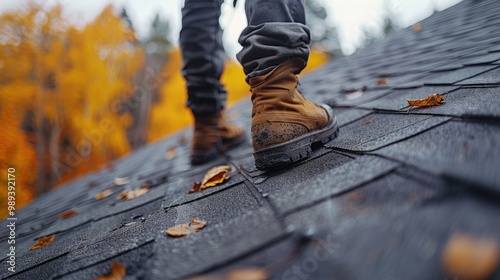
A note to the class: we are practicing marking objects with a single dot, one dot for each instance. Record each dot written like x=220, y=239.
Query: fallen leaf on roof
x=117, y=272
x=121, y=181
x=43, y=241
x=354, y=95
x=170, y=154
x=431, y=100
x=195, y=188
x=197, y=224
x=134, y=193
x=213, y=177
x=382, y=81
x=470, y=257
x=416, y=27
x=186, y=229
x=179, y=230
x=67, y=214
x=238, y=274
x=103, y=194
x=367, y=122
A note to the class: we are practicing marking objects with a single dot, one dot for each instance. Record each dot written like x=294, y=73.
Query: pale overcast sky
x=349, y=16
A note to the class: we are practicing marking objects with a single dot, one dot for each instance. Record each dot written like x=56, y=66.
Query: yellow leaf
x=117, y=272
x=43, y=241
x=215, y=176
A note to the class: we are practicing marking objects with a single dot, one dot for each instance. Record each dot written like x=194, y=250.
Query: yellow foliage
x=68, y=86
x=15, y=152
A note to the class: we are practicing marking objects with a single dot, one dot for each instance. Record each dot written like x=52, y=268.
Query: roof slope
x=378, y=202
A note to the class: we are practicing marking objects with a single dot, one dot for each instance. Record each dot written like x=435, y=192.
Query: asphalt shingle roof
x=378, y=202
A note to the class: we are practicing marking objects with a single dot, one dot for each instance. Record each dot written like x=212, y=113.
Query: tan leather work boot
x=284, y=123
x=213, y=135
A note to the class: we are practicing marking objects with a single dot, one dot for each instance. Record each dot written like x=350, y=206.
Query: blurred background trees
x=73, y=98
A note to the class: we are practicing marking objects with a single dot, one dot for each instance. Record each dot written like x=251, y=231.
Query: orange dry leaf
x=131, y=194
x=117, y=272
x=170, y=154
x=382, y=81
x=43, y=241
x=186, y=229
x=431, y=100
x=367, y=122
x=416, y=27
x=103, y=194
x=67, y=214
x=212, y=178
x=470, y=257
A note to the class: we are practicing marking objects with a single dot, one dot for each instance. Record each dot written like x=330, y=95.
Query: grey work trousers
x=276, y=31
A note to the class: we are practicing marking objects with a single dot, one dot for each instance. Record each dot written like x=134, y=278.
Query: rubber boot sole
x=296, y=149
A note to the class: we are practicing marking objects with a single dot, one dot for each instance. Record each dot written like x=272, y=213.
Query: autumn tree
x=61, y=93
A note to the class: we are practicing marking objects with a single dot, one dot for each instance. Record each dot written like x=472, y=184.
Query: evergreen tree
x=158, y=42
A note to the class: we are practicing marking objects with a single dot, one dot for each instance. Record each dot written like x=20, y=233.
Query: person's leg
x=275, y=49
x=203, y=56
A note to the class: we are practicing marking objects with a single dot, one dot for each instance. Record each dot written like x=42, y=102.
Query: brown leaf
x=131, y=194
x=382, y=81
x=186, y=229
x=179, y=230
x=121, y=181
x=416, y=27
x=103, y=194
x=43, y=241
x=470, y=257
x=67, y=214
x=431, y=100
x=170, y=154
x=197, y=224
x=367, y=122
x=117, y=272
x=195, y=188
